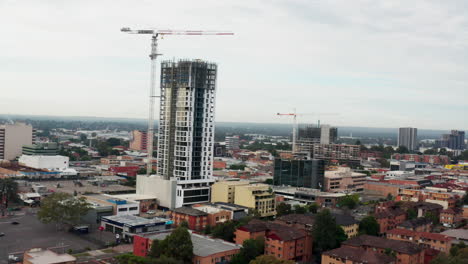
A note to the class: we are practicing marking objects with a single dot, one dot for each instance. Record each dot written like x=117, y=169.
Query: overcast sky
x=375, y=63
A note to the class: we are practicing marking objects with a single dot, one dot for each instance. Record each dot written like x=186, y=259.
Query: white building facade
x=186, y=132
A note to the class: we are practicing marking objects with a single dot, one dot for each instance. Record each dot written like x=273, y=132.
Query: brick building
x=419, y=224
x=389, y=219
x=283, y=242
x=206, y=250
x=196, y=219
x=451, y=217
x=429, y=240
x=351, y=255
x=405, y=252
x=431, y=159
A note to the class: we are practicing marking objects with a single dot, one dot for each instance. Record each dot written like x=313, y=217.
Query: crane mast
x=155, y=33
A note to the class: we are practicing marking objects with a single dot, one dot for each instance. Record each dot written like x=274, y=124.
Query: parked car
x=151, y=212
x=2, y=234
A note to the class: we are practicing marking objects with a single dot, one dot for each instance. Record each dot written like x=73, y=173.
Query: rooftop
x=379, y=242
x=359, y=255
x=202, y=245
x=133, y=220
x=189, y=211
x=297, y=218
x=45, y=256
x=413, y=223
x=277, y=231
x=427, y=235
x=460, y=234
x=344, y=219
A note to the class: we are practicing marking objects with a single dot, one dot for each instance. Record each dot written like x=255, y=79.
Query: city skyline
x=384, y=65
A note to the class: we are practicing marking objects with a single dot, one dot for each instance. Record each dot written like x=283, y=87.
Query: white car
x=151, y=212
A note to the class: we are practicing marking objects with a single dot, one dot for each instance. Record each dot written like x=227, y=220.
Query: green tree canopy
x=251, y=248
x=298, y=209
x=312, y=208
x=268, y=259
x=283, y=209
x=326, y=233
x=225, y=230
x=349, y=201
x=63, y=208
x=369, y=226
x=8, y=192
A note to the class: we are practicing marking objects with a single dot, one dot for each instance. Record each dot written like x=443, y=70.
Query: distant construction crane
x=294, y=116
x=155, y=34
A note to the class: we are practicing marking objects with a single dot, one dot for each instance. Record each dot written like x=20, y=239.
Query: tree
x=432, y=151
x=178, y=245
x=298, y=209
x=390, y=197
x=349, y=201
x=312, y=208
x=155, y=251
x=268, y=181
x=207, y=230
x=268, y=259
x=402, y=150
x=8, y=192
x=237, y=167
x=129, y=258
x=225, y=231
x=443, y=151
x=184, y=224
x=412, y=214
x=63, y=208
x=326, y=233
x=369, y=226
x=431, y=216
x=283, y=209
x=251, y=248
x=113, y=142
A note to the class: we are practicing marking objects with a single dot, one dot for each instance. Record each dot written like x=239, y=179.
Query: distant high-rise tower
x=232, y=143
x=186, y=135
x=139, y=141
x=454, y=140
x=12, y=139
x=407, y=137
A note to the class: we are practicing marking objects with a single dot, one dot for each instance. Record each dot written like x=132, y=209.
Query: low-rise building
x=419, y=224
x=430, y=240
x=283, y=242
x=350, y=255
x=348, y=223
x=216, y=215
x=343, y=179
x=46, y=256
x=390, y=218
x=196, y=219
x=256, y=196
x=306, y=196
x=120, y=206
x=451, y=217
x=405, y=252
x=206, y=250
x=224, y=191
x=130, y=225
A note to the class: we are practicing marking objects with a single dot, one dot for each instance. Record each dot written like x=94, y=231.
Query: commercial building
x=407, y=137
x=351, y=255
x=428, y=240
x=232, y=143
x=12, y=139
x=455, y=140
x=430, y=159
x=307, y=173
x=307, y=196
x=130, y=225
x=283, y=242
x=41, y=149
x=54, y=163
x=256, y=196
x=120, y=206
x=406, y=252
x=186, y=135
x=206, y=250
x=343, y=179
x=139, y=141
x=225, y=191
x=46, y=256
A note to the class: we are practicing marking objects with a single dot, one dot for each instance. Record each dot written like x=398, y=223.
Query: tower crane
x=155, y=34
x=294, y=115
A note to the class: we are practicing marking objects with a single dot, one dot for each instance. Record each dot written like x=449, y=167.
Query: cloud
x=378, y=63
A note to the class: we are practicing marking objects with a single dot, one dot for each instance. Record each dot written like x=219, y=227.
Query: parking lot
x=31, y=233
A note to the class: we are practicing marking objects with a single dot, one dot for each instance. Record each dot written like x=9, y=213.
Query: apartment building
x=196, y=219
x=283, y=242
x=451, y=217
x=139, y=141
x=428, y=240
x=257, y=196
x=405, y=252
x=224, y=191
x=407, y=137
x=350, y=255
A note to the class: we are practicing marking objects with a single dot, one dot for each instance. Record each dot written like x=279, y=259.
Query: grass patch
x=108, y=250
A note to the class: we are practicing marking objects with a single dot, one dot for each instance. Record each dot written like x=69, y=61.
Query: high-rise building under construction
x=186, y=134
